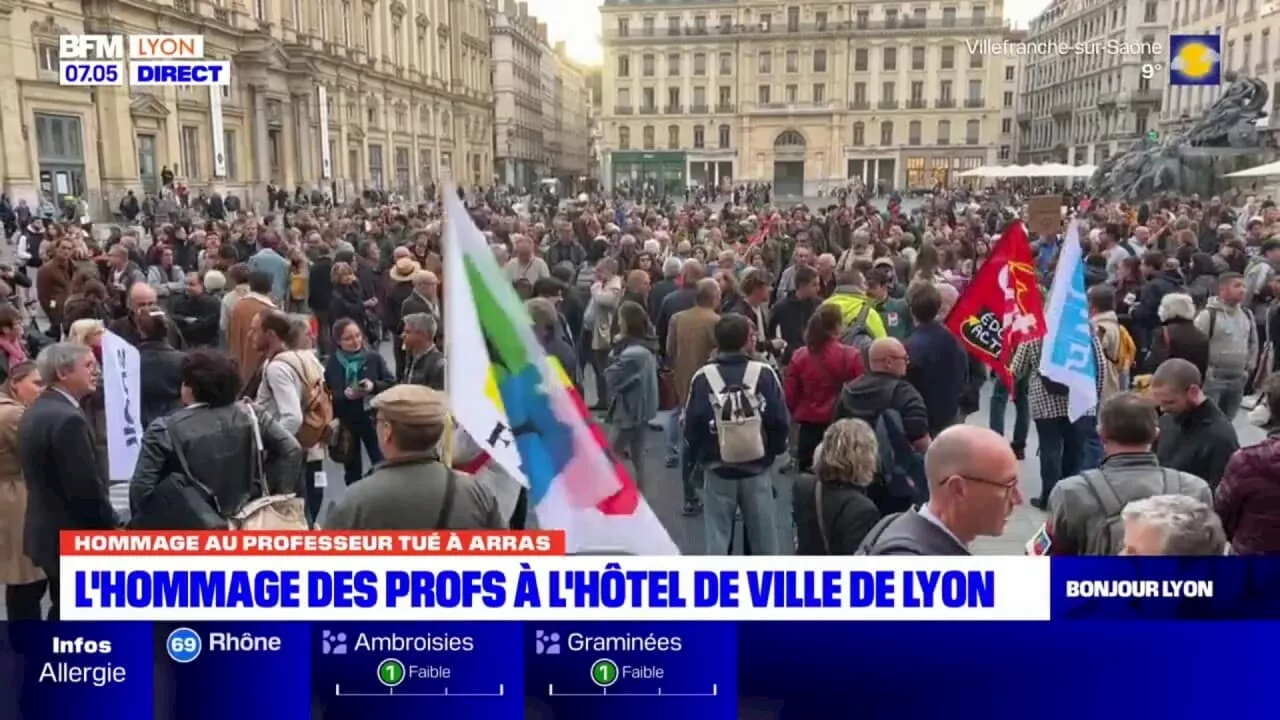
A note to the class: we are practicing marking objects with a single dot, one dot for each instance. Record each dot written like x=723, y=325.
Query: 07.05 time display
x=91, y=73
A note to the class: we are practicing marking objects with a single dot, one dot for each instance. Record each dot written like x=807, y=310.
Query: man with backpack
x=293, y=391
x=735, y=427
x=862, y=323
x=1086, y=510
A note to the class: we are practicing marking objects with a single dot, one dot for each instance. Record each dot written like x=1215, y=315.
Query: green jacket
x=897, y=317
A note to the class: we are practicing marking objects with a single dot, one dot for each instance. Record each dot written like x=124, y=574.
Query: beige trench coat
x=15, y=567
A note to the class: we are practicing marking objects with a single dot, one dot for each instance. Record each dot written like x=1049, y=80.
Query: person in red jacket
x=814, y=378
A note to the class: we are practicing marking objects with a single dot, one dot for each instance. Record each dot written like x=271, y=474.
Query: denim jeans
x=1090, y=442
x=723, y=497
x=1226, y=393
x=1061, y=452
x=672, y=433
x=1021, y=411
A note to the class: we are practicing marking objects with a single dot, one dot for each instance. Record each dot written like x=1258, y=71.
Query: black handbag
x=180, y=501
x=341, y=444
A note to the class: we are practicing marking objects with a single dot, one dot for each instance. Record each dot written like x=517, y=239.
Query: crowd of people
x=756, y=339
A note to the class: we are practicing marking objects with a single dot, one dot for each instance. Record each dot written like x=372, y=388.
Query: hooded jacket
x=1233, y=338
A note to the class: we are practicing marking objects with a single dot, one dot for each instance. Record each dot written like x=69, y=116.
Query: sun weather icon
x=1195, y=60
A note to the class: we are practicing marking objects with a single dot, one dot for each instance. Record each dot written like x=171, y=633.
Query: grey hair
x=59, y=359
x=672, y=267
x=543, y=312
x=848, y=454
x=1189, y=526
x=424, y=323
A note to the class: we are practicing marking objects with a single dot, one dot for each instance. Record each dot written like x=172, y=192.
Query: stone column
x=261, y=144
x=415, y=160
x=15, y=142
x=289, y=140
x=308, y=144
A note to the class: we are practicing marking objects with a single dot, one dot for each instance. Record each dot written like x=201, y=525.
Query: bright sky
x=577, y=22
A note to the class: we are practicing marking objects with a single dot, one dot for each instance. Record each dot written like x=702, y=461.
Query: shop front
x=659, y=172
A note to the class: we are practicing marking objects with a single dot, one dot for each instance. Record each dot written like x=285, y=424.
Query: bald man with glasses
x=973, y=490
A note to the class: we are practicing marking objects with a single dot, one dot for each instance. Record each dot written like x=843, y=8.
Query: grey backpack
x=858, y=335
x=1106, y=538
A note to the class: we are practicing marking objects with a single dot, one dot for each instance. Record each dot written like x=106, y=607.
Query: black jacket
x=427, y=369
x=160, y=368
x=1199, y=441
x=347, y=301
x=1178, y=338
x=64, y=488
x=847, y=513
x=198, y=317
x=320, y=285
x=375, y=371
x=874, y=392
x=907, y=533
x=218, y=446
x=1146, y=312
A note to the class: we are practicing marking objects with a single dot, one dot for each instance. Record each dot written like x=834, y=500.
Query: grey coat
x=632, y=377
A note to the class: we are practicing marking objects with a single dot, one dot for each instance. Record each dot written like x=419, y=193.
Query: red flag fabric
x=1002, y=306
x=765, y=228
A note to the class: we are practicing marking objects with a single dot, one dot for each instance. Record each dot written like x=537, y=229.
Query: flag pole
x=446, y=454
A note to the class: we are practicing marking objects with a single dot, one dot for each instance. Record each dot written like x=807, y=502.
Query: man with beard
x=197, y=313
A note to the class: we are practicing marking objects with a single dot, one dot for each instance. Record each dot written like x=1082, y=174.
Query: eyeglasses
x=1007, y=486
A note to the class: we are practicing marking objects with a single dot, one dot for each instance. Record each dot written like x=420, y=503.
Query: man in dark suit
x=55, y=443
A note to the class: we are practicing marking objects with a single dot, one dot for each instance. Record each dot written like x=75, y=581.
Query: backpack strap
x=821, y=514
x=861, y=318
x=715, y=380
x=1213, y=321
x=1099, y=486
x=446, y=505
x=751, y=376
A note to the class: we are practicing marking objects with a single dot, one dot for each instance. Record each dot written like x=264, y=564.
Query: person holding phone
x=354, y=374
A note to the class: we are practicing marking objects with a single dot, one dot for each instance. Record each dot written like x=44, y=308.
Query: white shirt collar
x=927, y=514
x=67, y=395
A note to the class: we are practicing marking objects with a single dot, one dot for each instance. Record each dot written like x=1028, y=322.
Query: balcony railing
x=860, y=105
x=887, y=104
x=944, y=141
x=674, y=109
x=623, y=110
x=648, y=110
x=974, y=102
x=698, y=109
x=900, y=25
x=725, y=107
x=944, y=103
x=917, y=104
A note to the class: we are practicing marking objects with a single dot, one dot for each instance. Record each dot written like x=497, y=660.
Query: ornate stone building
x=405, y=86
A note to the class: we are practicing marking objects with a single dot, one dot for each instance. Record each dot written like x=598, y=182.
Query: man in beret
x=412, y=489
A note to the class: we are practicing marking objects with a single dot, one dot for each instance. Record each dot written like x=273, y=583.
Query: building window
x=915, y=172
x=975, y=91
x=972, y=132
x=948, y=59
x=624, y=66
x=917, y=57
x=793, y=61
x=368, y=34
x=726, y=64
x=889, y=61
x=648, y=137
x=765, y=63
x=346, y=22
x=673, y=137
x=762, y=95
x=819, y=93
x=699, y=137
x=190, y=151
x=322, y=14
x=793, y=19
x=859, y=133
x=48, y=58
x=624, y=27
x=375, y=166
x=860, y=56
x=646, y=65
x=699, y=63
x=260, y=10
x=1008, y=99
x=859, y=93
x=724, y=137
x=913, y=133
x=819, y=61
x=673, y=64
x=624, y=138
x=1152, y=12
x=229, y=150
x=975, y=60
x=1006, y=125
x=944, y=132
x=948, y=17
x=792, y=94
x=1004, y=152
x=1008, y=73
x=726, y=96
x=886, y=133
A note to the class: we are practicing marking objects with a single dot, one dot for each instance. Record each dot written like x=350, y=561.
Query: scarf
x=17, y=354
x=352, y=365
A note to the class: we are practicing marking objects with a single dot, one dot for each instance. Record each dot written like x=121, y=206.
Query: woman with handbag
x=200, y=466
x=354, y=374
x=831, y=509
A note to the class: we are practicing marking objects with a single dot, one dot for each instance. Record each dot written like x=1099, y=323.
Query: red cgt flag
x=1002, y=306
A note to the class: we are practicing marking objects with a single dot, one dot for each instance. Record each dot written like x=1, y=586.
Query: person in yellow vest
x=850, y=296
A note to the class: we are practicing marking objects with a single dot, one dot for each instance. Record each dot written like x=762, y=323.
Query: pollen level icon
x=604, y=672
x=391, y=672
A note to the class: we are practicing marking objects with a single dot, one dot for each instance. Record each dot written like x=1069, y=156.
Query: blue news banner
x=1108, y=653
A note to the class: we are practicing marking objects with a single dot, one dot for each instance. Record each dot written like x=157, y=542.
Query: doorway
x=147, y=173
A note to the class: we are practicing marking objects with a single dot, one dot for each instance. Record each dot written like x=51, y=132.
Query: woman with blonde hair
x=87, y=331
x=24, y=583
x=831, y=509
